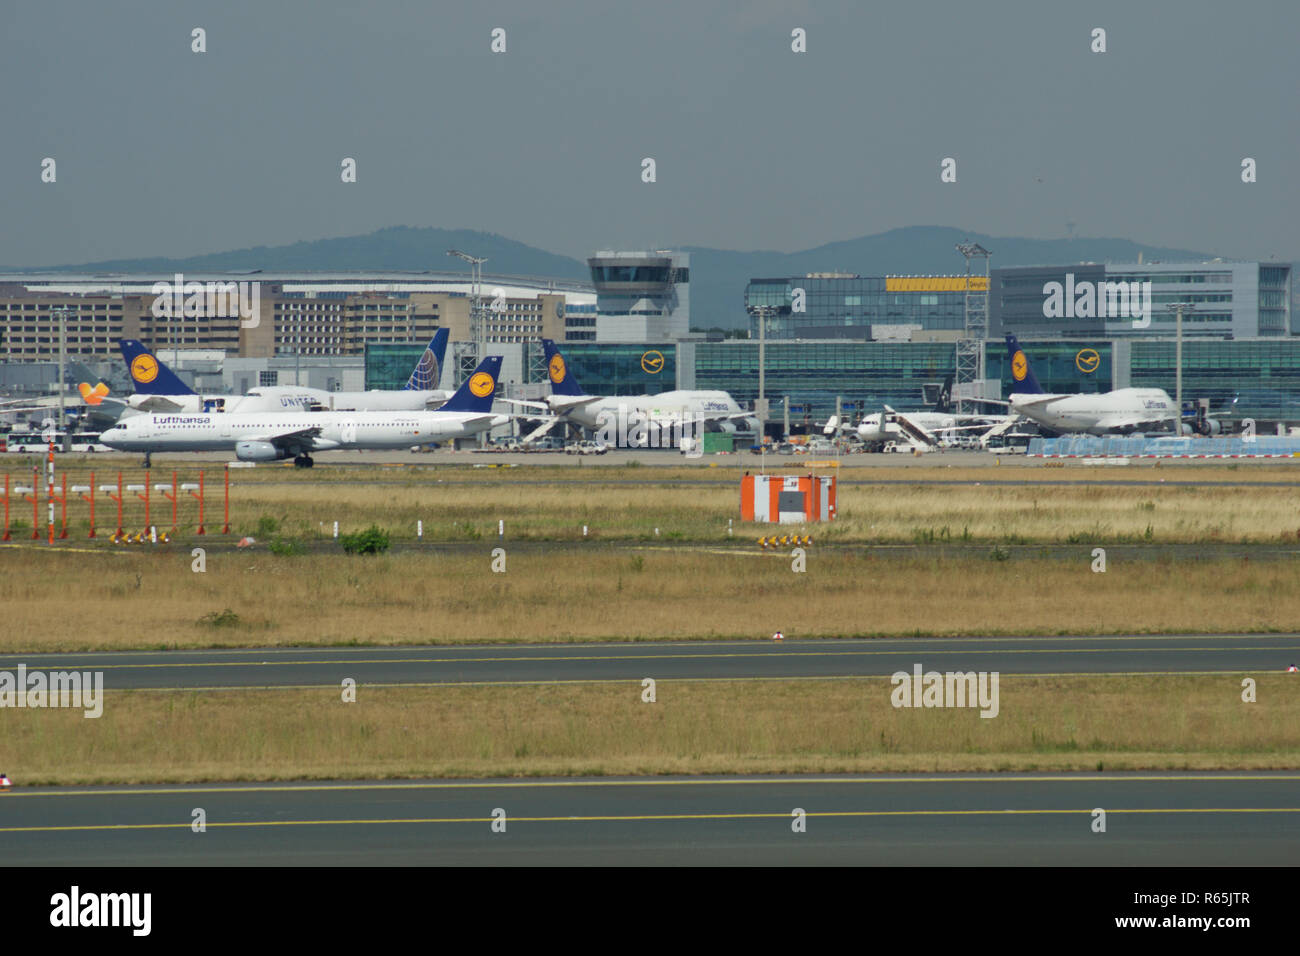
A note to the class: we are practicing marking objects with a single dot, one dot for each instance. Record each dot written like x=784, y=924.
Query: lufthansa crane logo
x=144, y=368
x=652, y=362
x=481, y=384
x=1019, y=366
x=1087, y=360
x=557, y=368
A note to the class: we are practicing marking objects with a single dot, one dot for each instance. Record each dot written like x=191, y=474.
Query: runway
x=668, y=660
x=1164, y=819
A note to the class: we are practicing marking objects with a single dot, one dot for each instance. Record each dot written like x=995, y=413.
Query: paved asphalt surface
x=523, y=664
x=1166, y=819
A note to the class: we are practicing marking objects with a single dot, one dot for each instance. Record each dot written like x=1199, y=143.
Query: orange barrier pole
x=200, y=497
x=36, y=505
x=175, y=493
x=6, y=537
x=226, y=526
x=63, y=508
x=118, y=498
x=147, y=484
x=91, y=498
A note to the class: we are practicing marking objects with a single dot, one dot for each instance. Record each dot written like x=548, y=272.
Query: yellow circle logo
x=482, y=384
x=144, y=368
x=652, y=362
x=557, y=368
x=1019, y=366
x=1087, y=361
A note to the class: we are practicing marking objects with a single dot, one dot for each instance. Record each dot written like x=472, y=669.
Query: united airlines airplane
x=266, y=436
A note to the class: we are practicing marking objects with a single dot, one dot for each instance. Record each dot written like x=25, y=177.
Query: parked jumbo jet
x=265, y=436
x=569, y=403
x=159, y=389
x=1122, y=410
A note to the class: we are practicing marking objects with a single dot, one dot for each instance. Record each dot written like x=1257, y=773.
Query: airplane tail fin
x=428, y=371
x=944, y=402
x=475, y=393
x=1023, y=380
x=149, y=375
x=562, y=383
x=92, y=396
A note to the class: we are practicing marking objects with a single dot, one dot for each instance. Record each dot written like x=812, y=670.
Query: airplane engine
x=1209, y=426
x=258, y=451
x=727, y=426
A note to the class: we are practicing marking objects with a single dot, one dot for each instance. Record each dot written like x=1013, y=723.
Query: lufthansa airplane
x=569, y=403
x=267, y=436
x=1123, y=410
x=159, y=389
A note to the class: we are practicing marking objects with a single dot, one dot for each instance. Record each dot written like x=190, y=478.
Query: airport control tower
x=641, y=296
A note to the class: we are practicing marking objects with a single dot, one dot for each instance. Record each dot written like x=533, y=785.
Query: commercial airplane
x=270, y=436
x=1123, y=410
x=919, y=429
x=159, y=389
x=661, y=413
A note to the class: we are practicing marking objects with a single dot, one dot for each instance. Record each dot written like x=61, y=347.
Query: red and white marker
x=778, y=636
x=5, y=782
x=1293, y=669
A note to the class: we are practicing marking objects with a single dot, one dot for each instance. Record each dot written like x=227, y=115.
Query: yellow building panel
x=934, y=283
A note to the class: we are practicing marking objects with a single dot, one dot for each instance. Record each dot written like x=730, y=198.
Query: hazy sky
x=162, y=151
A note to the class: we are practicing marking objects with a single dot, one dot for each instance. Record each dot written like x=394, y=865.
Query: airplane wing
x=285, y=439
x=540, y=406
x=1039, y=402
x=158, y=403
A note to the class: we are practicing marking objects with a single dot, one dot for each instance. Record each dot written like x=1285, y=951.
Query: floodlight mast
x=970, y=347
x=475, y=307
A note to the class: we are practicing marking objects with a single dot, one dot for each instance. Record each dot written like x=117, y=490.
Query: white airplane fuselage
x=674, y=406
x=310, y=431
x=1123, y=410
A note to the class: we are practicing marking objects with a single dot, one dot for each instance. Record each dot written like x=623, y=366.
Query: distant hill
x=718, y=277
x=399, y=248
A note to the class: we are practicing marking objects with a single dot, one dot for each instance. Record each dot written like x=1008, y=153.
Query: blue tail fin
x=562, y=383
x=428, y=371
x=1023, y=380
x=475, y=393
x=148, y=374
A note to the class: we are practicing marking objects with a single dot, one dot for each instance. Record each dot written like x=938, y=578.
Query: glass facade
x=389, y=364
x=1243, y=379
x=814, y=373
x=614, y=369
x=1075, y=366
x=847, y=306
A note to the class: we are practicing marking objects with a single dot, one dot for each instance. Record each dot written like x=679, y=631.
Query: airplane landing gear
x=303, y=461
x=148, y=459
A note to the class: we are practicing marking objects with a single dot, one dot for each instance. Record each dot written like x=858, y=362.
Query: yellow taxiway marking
x=675, y=782
x=639, y=818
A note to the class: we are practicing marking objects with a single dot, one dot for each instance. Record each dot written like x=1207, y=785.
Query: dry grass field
x=149, y=599
x=694, y=727
x=628, y=504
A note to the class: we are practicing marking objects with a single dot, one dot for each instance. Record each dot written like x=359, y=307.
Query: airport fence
x=135, y=504
x=1142, y=446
